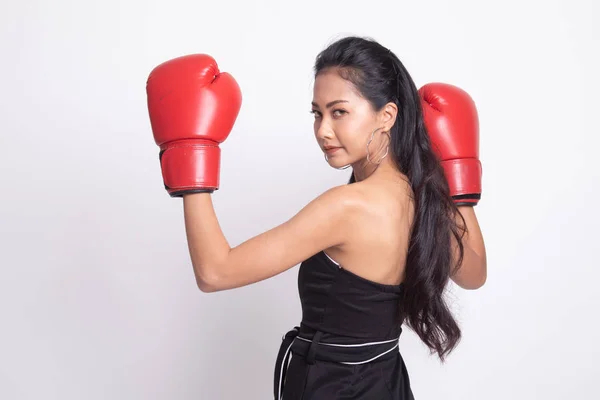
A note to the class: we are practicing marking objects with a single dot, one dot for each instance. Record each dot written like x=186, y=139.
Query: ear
x=388, y=115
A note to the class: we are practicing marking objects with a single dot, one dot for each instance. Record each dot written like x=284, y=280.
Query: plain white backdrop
x=97, y=296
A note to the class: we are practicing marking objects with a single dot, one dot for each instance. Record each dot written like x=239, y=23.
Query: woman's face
x=344, y=121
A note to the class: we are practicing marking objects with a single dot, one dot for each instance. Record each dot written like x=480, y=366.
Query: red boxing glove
x=451, y=119
x=193, y=107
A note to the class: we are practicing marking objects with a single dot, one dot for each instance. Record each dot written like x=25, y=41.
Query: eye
x=315, y=113
x=339, y=112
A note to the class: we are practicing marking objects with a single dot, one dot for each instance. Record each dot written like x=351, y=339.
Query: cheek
x=352, y=132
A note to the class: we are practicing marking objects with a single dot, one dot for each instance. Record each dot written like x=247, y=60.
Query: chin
x=339, y=164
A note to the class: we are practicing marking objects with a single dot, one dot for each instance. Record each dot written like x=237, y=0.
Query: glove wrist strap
x=464, y=180
x=190, y=166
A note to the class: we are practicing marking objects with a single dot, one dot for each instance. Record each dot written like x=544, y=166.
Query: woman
x=375, y=254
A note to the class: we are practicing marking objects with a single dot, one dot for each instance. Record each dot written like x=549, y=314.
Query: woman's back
x=346, y=345
x=379, y=230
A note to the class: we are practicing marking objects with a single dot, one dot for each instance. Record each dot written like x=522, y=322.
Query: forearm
x=472, y=273
x=207, y=245
x=473, y=237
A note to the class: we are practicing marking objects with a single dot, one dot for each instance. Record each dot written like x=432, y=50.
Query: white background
x=97, y=294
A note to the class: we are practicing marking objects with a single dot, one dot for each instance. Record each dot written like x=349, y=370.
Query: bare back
x=377, y=241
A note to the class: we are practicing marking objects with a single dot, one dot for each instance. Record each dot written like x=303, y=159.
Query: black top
x=337, y=301
x=346, y=346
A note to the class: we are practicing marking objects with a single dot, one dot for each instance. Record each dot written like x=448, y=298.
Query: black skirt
x=309, y=368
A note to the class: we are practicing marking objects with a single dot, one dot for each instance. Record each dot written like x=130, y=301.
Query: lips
x=331, y=150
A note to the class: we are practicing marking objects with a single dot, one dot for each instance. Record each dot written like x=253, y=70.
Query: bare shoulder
x=352, y=203
x=375, y=209
x=343, y=200
x=384, y=199
x=376, y=230
x=342, y=210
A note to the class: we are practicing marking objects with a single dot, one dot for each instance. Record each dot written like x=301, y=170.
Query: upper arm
x=318, y=226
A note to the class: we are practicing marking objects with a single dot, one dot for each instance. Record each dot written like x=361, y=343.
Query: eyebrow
x=330, y=104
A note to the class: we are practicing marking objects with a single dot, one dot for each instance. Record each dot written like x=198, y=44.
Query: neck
x=366, y=169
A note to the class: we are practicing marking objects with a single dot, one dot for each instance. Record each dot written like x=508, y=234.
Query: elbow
x=471, y=281
x=207, y=282
x=474, y=275
x=483, y=275
x=471, y=284
x=478, y=284
x=206, y=287
x=479, y=281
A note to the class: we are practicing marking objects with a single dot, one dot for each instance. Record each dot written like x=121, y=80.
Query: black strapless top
x=338, y=302
x=346, y=346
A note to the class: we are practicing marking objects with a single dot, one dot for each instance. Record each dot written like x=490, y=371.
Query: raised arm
x=472, y=273
x=217, y=266
x=193, y=107
x=452, y=122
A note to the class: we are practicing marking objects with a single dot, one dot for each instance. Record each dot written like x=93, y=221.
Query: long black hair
x=380, y=77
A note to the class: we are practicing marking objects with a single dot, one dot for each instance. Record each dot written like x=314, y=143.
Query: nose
x=323, y=132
